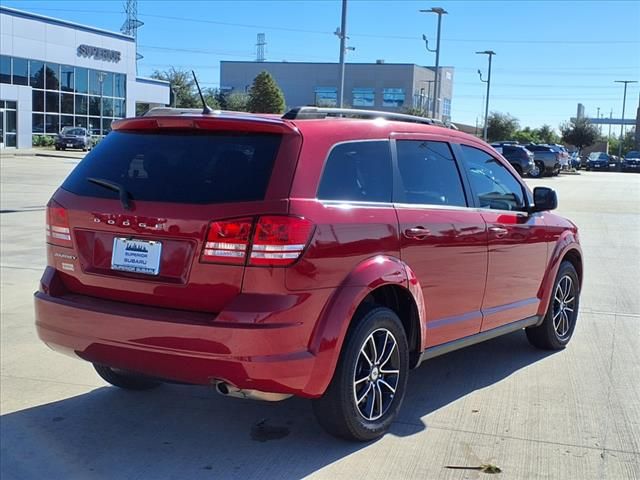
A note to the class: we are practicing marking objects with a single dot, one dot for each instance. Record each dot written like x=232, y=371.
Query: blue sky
x=550, y=54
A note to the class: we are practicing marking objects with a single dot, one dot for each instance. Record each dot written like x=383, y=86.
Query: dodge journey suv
x=323, y=254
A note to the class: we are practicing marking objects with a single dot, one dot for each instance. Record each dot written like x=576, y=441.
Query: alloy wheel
x=376, y=375
x=564, y=307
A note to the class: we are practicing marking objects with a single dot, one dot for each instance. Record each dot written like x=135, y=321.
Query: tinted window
x=36, y=74
x=429, y=174
x=20, y=71
x=179, y=167
x=5, y=69
x=357, y=171
x=492, y=184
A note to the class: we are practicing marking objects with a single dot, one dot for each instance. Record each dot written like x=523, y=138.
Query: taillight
x=227, y=241
x=58, y=231
x=279, y=240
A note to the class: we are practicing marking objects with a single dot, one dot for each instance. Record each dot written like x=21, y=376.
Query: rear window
x=185, y=167
x=358, y=171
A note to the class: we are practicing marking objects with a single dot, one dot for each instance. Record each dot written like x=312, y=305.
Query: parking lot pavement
x=570, y=414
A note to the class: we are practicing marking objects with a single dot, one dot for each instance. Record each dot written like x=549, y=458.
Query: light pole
x=490, y=53
x=101, y=77
x=341, y=33
x=436, y=88
x=624, y=101
x=599, y=124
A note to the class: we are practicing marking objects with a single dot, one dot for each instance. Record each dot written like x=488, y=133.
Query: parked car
x=575, y=160
x=305, y=255
x=519, y=157
x=73, y=137
x=631, y=161
x=599, y=161
x=545, y=158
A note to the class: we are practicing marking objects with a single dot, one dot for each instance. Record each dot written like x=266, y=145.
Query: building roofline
x=153, y=81
x=335, y=63
x=64, y=23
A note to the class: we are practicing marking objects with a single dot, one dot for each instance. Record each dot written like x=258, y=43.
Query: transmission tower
x=132, y=24
x=260, y=44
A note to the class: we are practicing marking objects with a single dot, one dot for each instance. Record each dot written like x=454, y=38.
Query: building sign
x=98, y=53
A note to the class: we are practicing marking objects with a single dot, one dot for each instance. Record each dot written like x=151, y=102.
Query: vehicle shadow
x=191, y=432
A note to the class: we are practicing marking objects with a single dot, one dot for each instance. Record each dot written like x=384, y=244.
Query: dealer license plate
x=140, y=256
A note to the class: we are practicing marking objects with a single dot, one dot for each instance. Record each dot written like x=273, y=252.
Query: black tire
x=124, y=379
x=337, y=410
x=539, y=172
x=555, y=334
x=57, y=147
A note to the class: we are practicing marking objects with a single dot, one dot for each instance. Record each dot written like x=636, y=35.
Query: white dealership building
x=55, y=73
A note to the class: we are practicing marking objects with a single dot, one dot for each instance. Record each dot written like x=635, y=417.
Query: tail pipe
x=228, y=390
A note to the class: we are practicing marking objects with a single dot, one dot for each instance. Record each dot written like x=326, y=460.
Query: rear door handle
x=499, y=231
x=419, y=233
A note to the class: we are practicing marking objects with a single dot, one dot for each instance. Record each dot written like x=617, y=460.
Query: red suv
x=314, y=255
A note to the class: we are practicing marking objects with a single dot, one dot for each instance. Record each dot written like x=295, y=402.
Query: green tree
x=579, y=133
x=265, y=95
x=526, y=135
x=418, y=112
x=628, y=143
x=501, y=126
x=237, y=102
x=546, y=134
x=182, y=86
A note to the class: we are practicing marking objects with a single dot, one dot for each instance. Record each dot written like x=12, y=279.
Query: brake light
x=279, y=240
x=227, y=241
x=57, y=228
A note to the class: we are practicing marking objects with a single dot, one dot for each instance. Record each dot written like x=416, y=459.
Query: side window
x=358, y=171
x=429, y=174
x=492, y=184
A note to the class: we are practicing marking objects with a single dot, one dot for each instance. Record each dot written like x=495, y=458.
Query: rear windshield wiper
x=116, y=187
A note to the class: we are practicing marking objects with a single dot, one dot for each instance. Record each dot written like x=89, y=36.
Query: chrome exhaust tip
x=228, y=390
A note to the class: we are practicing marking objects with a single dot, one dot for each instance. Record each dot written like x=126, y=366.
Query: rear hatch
x=146, y=210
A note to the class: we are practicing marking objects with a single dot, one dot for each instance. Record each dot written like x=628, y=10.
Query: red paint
x=280, y=328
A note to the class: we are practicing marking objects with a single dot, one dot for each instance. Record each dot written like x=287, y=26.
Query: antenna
x=131, y=24
x=206, y=109
x=260, y=44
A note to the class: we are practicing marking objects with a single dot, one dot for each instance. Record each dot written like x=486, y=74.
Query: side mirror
x=544, y=198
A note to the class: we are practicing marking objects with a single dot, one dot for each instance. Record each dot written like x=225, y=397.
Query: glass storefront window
x=82, y=80
x=118, y=108
x=363, y=97
x=107, y=107
x=20, y=71
x=37, y=99
x=37, y=120
x=106, y=125
x=94, y=105
x=107, y=86
x=66, y=78
x=82, y=105
x=81, y=122
x=36, y=74
x=66, y=103
x=52, y=124
x=66, y=121
x=52, y=102
x=5, y=69
x=94, y=124
x=10, y=126
x=52, y=76
x=94, y=83
x=392, y=97
x=120, y=90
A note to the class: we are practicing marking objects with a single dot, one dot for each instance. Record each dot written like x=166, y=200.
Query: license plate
x=612, y=164
x=140, y=256
x=69, y=145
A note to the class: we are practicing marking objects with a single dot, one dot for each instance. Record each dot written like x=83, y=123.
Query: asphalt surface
x=573, y=414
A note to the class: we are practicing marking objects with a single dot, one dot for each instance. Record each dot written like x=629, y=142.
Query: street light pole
x=101, y=76
x=490, y=53
x=342, y=33
x=436, y=87
x=624, y=101
x=599, y=124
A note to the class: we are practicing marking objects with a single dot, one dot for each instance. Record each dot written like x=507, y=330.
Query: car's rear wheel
x=125, y=379
x=538, y=170
x=369, y=383
x=560, y=321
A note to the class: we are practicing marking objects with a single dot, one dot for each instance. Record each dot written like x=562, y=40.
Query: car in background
x=519, y=157
x=545, y=158
x=599, y=161
x=575, y=160
x=73, y=137
x=631, y=161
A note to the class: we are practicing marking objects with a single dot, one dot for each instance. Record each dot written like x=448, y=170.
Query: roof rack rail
x=304, y=113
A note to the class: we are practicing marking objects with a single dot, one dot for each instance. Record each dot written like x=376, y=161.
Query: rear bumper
x=170, y=344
